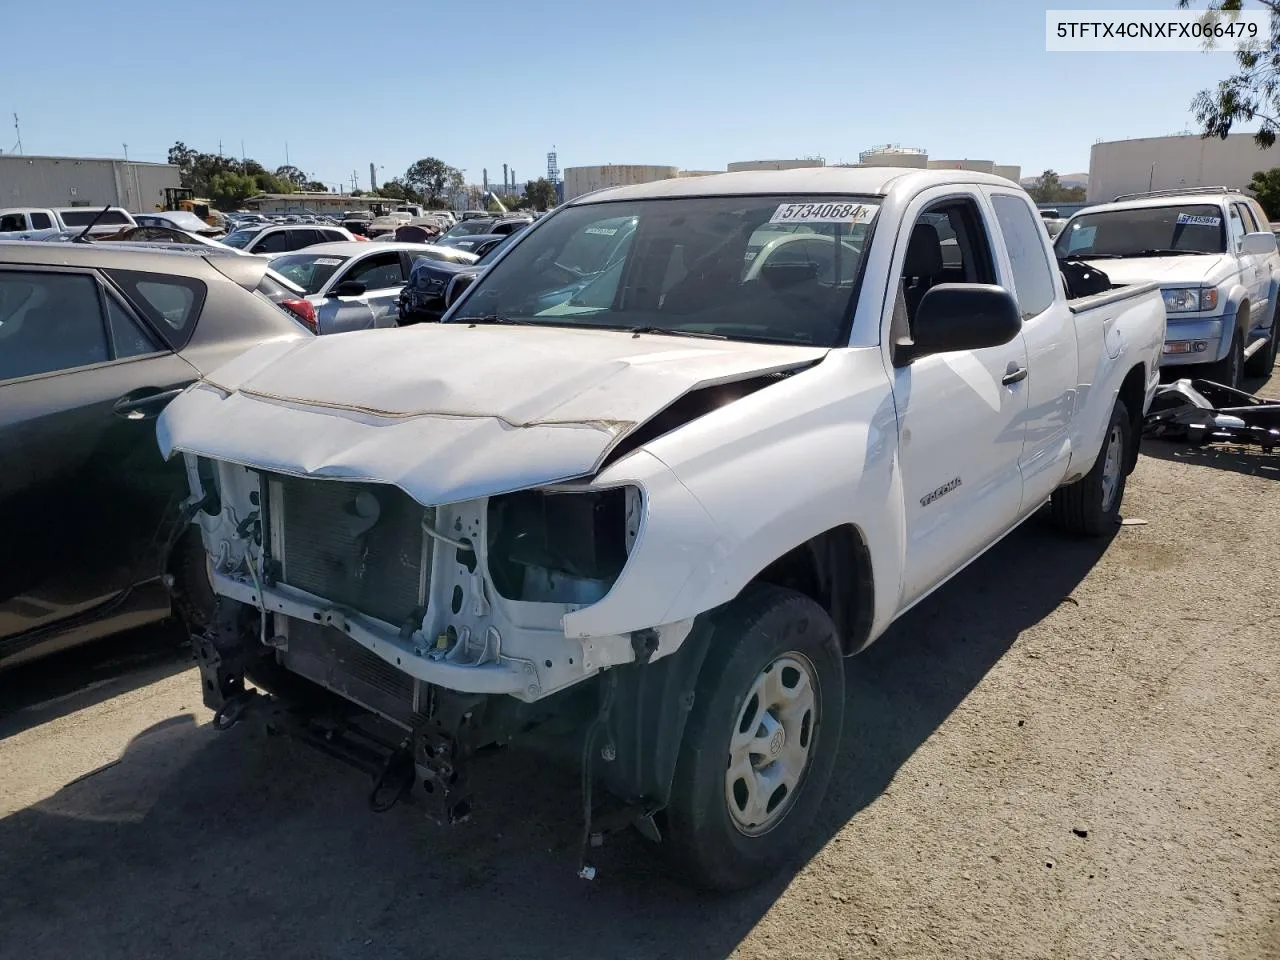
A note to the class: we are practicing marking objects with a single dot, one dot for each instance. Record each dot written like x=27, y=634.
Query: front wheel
x=1262, y=362
x=1228, y=370
x=761, y=741
x=1091, y=506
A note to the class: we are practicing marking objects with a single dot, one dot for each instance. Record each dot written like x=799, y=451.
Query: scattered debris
x=1202, y=412
x=1021, y=722
x=1071, y=600
x=1080, y=832
x=1133, y=522
x=1049, y=864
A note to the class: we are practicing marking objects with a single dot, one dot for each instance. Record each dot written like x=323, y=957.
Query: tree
x=1266, y=186
x=432, y=177
x=184, y=158
x=540, y=194
x=1253, y=91
x=316, y=186
x=292, y=174
x=229, y=189
x=1048, y=188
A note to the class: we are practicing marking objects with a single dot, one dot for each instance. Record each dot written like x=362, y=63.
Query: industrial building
x=27, y=181
x=892, y=155
x=309, y=202
x=1170, y=163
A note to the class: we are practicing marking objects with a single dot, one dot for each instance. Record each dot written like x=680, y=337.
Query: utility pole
x=505, y=188
x=126, y=152
x=219, y=149
x=1151, y=179
x=18, y=130
x=286, y=153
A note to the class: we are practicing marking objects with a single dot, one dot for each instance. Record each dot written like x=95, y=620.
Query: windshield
x=240, y=239
x=497, y=248
x=83, y=217
x=310, y=271
x=468, y=227
x=686, y=265
x=1144, y=232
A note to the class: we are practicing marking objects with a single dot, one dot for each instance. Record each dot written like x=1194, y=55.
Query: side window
x=276, y=242
x=1261, y=216
x=304, y=238
x=41, y=221
x=1235, y=228
x=13, y=222
x=128, y=338
x=377, y=272
x=1032, y=277
x=332, y=236
x=947, y=244
x=171, y=303
x=1246, y=215
x=49, y=322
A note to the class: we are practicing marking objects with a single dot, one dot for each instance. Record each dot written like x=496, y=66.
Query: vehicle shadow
x=62, y=683
x=197, y=844
x=1250, y=461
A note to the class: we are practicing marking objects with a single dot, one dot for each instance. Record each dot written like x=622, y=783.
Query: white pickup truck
x=36, y=223
x=647, y=511
x=1214, y=255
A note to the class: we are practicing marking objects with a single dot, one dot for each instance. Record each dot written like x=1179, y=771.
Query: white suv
x=282, y=239
x=1213, y=253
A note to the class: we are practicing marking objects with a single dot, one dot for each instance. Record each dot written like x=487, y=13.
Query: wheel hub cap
x=771, y=744
x=1111, y=466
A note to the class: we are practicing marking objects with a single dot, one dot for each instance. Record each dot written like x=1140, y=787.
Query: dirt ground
x=1072, y=751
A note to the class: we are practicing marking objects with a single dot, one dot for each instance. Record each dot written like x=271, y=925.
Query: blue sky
x=694, y=84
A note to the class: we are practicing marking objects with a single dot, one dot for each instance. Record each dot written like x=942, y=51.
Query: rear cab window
x=171, y=303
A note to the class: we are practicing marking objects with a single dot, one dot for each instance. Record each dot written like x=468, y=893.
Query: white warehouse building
x=29, y=181
x=580, y=180
x=1169, y=163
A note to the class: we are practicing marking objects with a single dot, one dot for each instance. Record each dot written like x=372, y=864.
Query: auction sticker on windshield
x=824, y=213
x=328, y=261
x=1190, y=220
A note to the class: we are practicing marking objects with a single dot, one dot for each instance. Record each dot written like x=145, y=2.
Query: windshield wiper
x=494, y=318
x=1090, y=256
x=1160, y=253
x=671, y=332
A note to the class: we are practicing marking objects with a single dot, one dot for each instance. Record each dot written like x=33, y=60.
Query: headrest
x=924, y=252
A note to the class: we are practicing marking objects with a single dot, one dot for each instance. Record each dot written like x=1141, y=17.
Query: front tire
x=1230, y=368
x=1263, y=362
x=761, y=741
x=1090, y=507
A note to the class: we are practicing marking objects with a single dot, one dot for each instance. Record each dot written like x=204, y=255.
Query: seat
x=922, y=266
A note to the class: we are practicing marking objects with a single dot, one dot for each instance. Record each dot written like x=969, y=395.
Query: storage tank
x=743, y=165
x=1172, y=163
x=976, y=166
x=580, y=180
x=1008, y=171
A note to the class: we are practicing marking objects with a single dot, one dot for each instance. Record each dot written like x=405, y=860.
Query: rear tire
x=752, y=772
x=1263, y=362
x=1090, y=507
x=1230, y=368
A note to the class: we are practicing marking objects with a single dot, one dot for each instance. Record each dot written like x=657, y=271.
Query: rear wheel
x=1091, y=506
x=1263, y=362
x=761, y=741
x=1228, y=370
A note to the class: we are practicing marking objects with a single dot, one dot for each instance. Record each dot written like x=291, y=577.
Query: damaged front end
x=444, y=623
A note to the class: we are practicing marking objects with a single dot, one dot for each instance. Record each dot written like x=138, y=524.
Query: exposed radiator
x=330, y=658
x=359, y=545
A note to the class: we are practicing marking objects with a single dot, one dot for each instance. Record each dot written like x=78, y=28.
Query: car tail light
x=305, y=311
x=358, y=237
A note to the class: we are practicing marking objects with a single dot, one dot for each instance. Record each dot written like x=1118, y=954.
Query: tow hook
x=230, y=713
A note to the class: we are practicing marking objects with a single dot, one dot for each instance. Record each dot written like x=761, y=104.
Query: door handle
x=146, y=406
x=1014, y=374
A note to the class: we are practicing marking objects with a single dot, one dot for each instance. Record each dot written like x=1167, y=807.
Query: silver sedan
x=355, y=286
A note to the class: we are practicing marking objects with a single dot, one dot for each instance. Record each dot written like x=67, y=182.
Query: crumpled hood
x=1167, y=271
x=449, y=412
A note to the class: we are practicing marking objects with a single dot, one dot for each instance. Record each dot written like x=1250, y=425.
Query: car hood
x=1188, y=270
x=450, y=412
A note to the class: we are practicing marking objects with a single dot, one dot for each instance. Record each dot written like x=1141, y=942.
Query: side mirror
x=458, y=284
x=348, y=288
x=959, y=316
x=1258, y=243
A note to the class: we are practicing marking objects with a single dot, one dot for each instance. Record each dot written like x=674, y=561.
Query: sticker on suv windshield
x=328, y=261
x=824, y=213
x=601, y=231
x=1190, y=220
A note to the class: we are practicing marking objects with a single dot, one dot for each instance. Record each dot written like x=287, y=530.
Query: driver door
x=383, y=276
x=961, y=415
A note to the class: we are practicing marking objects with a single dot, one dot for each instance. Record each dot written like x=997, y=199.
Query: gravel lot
x=1073, y=750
